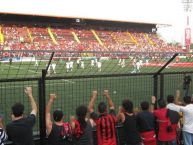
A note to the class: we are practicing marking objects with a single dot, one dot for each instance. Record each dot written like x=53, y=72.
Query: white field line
x=47, y=84
x=22, y=69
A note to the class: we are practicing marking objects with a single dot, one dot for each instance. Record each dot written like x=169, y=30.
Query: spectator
x=59, y=133
x=168, y=121
x=3, y=135
x=188, y=123
x=146, y=124
x=105, y=123
x=187, y=81
x=82, y=127
x=10, y=61
x=128, y=118
x=171, y=103
x=20, y=129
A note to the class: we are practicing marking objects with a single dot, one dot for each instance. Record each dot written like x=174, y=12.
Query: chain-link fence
x=73, y=76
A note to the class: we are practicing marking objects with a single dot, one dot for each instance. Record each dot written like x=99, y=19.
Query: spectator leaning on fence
x=188, y=120
x=59, y=132
x=168, y=123
x=82, y=127
x=20, y=129
x=187, y=112
x=187, y=82
x=146, y=124
x=3, y=135
x=173, y=102
x=128, y=118
x=105, y=122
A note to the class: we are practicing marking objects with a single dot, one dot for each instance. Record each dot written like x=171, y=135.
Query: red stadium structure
x=187, y=35
x=19, y=32
x=188, y=38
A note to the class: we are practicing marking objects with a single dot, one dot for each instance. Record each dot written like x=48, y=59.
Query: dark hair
x=144, y=105
x=127, y=106
x=81, y=114
x=17, y=109
x=162, y=103
x=102, y=107
x=57, y=115
x=170, y=98
x=187, y=99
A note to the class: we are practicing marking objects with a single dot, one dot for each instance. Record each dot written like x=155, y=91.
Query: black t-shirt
x=87, y=137
x=173, y=116
x=20, y=131
x=131, y=133
x=56, y=138
x=145, y=121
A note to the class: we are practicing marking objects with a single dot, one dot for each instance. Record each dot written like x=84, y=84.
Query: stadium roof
x=123, y=11
x=44, y=20
x=7, y=15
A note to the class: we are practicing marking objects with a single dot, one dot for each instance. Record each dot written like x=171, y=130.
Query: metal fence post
x=161, y=86
x=155, y=83
x=42, y=105
x=155, y=87
x=42, y=102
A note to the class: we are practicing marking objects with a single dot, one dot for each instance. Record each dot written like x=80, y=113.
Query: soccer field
x=75, y=91
x=29, y=70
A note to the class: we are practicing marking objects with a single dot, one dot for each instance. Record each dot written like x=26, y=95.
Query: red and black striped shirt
x=106, y=131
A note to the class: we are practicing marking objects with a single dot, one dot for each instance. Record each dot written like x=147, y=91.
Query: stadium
x=74, y=55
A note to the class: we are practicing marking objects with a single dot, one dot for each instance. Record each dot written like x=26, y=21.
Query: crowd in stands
x=89, y=38
x=150, y=126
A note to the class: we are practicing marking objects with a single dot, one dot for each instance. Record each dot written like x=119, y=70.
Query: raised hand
x=153, y=99
x=106, y=93
x=177, y=93
x=28, y=91
x=52, y=97
x=94, y=93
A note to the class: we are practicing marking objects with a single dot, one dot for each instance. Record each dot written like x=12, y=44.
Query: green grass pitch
x=74, y=92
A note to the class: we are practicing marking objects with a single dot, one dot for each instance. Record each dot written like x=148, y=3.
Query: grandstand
x=66, y=34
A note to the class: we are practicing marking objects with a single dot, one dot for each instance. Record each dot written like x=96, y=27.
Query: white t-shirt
x=92, y=62
x=173, y=107
x=71, y=64
x=138, y=65
x=54, y=66
x=3, y=136
x=67, y=65
x=188, y=117
x=99, y=64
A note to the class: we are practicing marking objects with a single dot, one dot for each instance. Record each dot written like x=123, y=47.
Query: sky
x=175, y=33
x=149, y=11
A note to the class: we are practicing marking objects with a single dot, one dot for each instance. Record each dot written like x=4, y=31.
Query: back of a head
x=144, y=105
x=162, y=103
x=17, y=109
x=58, y=115
x=187, y=99
x=81, y=111
x=102, y=107
x=170, y=99
x=127, y=106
